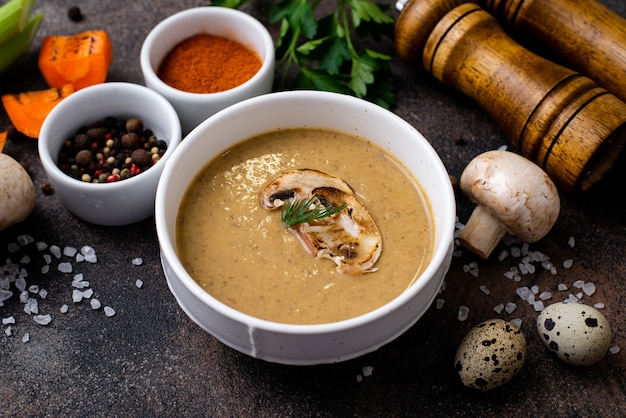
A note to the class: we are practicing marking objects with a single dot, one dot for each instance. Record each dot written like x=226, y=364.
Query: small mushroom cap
x=515, y=191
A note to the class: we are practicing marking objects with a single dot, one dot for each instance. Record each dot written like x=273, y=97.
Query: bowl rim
x=45, y=143
x=167, y=242
x=267, y=61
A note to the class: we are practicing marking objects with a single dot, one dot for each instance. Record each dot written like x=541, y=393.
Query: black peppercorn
x=83, y=157
x=134, y=125
x=95, y=133
x=107, y=151
x=75, y=14
x=141, y=157
x=82, y=141
x=130, y=140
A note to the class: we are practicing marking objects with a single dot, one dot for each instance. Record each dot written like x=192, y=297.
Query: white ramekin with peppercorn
x=103, y=149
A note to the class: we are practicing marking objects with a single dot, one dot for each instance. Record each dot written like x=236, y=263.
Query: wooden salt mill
x=583, y=34
x=561, y=120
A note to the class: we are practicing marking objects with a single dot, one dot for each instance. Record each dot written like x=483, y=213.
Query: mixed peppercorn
x=110, y=150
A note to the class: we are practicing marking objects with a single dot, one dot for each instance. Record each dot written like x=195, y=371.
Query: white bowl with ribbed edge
x=232, y=24
x=305, y=344
x=125, y=201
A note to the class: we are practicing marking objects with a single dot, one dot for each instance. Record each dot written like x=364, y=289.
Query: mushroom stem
x=482, y=232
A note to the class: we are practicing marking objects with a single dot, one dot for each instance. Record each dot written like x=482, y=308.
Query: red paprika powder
x=206, y=63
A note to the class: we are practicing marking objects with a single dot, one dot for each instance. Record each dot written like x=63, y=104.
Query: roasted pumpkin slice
x=82, y=59
x=28, y=110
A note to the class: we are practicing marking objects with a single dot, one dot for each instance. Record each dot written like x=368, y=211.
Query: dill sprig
x=299, y=211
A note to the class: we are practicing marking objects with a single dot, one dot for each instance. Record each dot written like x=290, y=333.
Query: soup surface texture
x=242, y=254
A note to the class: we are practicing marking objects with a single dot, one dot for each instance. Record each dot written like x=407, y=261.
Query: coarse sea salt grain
x=13, y=247
x=484, y=290
x=598, y=305
x=69, y=251
x=95, y=304
x=523, y=292
x=440, y=303
x=510, y=307
x=137, y=261
x=138, y=283
x=578, y=284
x=568, y=263
x=8, y=331
x=8, y=320
x=25, y=239
x=41, y=246
x=80, y=284
x=589, y=288
x=463, y=313
x=64, y=308
x=545, y=295
x=55, y=250
x=26, y=338
x=614, y=349
x=571, y=242
x=108, y=311
x=562, y=287
x=87, y=250
x=65, y=267
x=367, y=371
x=77, y=296
x=517, y=322
x=43, y=319
x=538, y=306
x=499, y=308
x=31, y=306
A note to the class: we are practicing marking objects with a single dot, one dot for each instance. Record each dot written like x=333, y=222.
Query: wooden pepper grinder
x=563, y=121
x=583, y=34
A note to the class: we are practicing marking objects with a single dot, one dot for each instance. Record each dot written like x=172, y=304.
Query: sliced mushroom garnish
x=349, y=237
x=300, y=184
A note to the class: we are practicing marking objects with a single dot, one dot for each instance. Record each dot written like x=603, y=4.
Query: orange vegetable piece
x=3, y=139
x=28, y=110
x=82, y=59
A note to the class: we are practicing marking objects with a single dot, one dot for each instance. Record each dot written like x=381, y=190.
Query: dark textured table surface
x=149, y=359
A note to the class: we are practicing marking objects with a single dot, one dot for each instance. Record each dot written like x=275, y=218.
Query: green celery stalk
x=19, y=44
x=14, y=16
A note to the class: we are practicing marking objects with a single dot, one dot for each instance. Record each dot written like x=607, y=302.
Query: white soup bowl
x=305, y=344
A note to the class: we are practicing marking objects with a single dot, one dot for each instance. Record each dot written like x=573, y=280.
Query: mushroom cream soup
x=241, y=253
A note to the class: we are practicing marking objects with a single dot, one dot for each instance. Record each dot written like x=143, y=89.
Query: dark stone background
x=151, y=360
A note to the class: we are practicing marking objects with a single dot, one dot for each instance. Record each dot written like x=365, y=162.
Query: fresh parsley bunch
x=326, y=51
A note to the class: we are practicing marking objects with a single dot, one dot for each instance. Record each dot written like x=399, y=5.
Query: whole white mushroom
x=17, y=192
x=512, y=194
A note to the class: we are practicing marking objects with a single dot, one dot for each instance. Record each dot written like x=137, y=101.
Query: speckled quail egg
x=490, y=355
x=577, y=333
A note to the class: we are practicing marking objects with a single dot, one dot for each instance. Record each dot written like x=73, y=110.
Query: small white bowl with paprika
x=207, y=58
x=120, y=201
